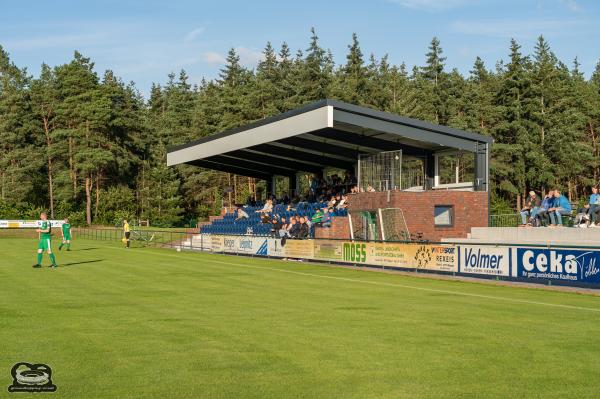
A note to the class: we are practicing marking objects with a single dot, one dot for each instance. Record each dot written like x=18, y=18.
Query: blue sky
x=143, y=41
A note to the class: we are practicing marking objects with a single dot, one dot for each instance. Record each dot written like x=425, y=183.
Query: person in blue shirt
x=560, y=208
x=593, y=206
x=547, y=203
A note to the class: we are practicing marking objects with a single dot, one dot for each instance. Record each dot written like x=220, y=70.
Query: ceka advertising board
x=487, y=260
x=569, y=265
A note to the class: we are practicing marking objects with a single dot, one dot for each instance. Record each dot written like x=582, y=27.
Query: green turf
x=154, y=323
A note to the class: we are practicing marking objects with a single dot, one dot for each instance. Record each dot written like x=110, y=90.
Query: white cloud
x=431, y=5
x=571, y=5
x=248, y=57
x=213, y=58
x=512, y=28
x=193, y=34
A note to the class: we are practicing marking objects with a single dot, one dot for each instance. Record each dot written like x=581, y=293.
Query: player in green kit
x=45, y=232
x=66, y=233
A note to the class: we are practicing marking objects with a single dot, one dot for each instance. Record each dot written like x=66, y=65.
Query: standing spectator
x=531, y=208
x=326, y=220
x=294, y=228
x=303, y=230
x=277, y=224
x=560, y=208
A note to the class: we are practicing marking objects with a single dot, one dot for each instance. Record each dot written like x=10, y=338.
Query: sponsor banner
x=251, y=245
x=410, y=256
x=27, y=224
x=329, y=250
x=216, y=243
x=492, y=261
x=558, y=264
x=292, y=249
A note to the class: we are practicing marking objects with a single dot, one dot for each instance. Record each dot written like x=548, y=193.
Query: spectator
x=317, y=217
x=283, y=231
x=560, y=208
x=267, y=208
x=326, y=220
x=370, y=189
x=293, y=229
x=342, y=203
x=531, y=208
x=594, y=207
x=303, y=230
x=241, y=214
x=276, y=226
x=547, y=203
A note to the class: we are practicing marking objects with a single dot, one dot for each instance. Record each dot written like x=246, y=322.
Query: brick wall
x=340, y=228
x=470, y=210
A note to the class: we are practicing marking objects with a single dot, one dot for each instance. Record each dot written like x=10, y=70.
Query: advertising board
x=488, y=260
x=570, y=265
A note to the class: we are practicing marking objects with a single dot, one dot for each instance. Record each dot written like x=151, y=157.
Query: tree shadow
x=82, y=249
x=79, y=263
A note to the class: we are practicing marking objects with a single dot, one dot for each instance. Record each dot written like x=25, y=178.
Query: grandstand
x=436, y=176
x=228, y=225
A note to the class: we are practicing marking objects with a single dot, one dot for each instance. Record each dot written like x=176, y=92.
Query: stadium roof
x=323, y=134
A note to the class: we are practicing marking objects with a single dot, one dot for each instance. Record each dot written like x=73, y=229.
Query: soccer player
x=126, y=231
x=66, y=234
x=45, y=235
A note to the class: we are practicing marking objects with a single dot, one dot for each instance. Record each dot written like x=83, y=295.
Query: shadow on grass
x=80, y=263
x=82, y=249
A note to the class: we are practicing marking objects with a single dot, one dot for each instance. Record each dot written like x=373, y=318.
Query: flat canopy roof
x=326, y=133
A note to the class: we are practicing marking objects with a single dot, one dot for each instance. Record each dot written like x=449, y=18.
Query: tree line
x=91, y=147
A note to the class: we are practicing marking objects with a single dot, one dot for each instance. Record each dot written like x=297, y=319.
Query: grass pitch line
x=439, y=291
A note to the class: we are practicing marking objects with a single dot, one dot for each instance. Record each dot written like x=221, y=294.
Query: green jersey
x=46, y=225
x=66, y=229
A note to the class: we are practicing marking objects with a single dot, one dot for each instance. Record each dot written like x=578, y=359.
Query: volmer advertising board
x=569, y=265
x=487, y=260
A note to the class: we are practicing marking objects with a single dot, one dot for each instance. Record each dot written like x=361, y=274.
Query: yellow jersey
x=126, y=227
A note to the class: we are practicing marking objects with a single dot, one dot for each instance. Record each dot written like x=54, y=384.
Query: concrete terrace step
x=534, y=235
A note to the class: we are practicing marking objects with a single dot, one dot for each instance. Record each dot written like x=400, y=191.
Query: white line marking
x=458, y=293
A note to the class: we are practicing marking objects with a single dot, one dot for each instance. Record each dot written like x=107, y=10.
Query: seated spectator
x=241, y=214
x=547, y=203
x=370, y=189
x=342, y=203
x=326, y=220
x=594, y=207
x=303, y=230
x=317, y=217
x=267, y=208
x=560, y=208
x=530, y=210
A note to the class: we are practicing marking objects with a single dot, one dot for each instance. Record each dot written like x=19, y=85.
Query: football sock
x=39, y=261
x=53, y=259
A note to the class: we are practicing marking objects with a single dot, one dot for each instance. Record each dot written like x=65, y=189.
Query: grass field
x=154, y=323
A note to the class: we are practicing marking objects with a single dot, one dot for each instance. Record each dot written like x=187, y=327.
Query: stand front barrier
x=569, y=265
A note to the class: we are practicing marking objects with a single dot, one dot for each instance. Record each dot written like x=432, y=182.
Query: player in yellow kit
x=126, y=232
